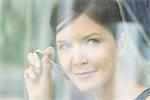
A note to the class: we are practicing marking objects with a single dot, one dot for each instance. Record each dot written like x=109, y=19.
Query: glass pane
x=102, y=49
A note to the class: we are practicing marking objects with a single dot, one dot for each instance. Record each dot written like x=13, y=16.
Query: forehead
x=80, y=27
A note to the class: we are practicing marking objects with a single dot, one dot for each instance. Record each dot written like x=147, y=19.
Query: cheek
x=103, y=57
x=64, y=59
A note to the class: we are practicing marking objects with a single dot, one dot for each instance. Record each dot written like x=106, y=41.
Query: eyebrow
x=86, y=37
x=92, y=34
x=62, y=41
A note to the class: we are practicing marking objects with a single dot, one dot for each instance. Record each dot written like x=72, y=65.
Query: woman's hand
x=38, y=76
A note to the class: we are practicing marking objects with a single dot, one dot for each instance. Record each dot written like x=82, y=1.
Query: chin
x=90, y=87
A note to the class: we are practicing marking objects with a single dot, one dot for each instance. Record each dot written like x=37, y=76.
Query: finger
x=39, y=53
x=50, y=52
x=47, y=66
x=34, y=63
x=36, y=71
x=29, y=74
x=37, y=61
x=30, y=60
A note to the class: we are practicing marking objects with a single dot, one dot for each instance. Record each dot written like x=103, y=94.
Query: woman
x=88, y=52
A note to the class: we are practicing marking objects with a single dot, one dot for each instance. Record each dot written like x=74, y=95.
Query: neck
x=118, y=88
x=126, y=88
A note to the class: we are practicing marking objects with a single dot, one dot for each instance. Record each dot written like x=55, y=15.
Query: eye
x=64, y=46
x=93, y=41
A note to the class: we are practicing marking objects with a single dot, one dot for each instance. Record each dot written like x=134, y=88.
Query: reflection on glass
x=102, y=46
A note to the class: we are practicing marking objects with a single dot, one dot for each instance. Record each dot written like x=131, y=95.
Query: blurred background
x=24, y=27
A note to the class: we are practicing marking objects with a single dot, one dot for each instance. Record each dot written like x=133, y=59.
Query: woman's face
x=87, y=53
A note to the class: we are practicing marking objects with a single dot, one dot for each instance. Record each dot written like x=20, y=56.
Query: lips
x=85, y=74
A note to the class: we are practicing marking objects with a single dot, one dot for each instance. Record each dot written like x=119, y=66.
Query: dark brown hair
x=105, y=12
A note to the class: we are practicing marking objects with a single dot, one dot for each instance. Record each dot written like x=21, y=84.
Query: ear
x=122, y=43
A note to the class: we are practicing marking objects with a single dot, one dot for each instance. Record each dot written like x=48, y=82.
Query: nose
x=79, y=57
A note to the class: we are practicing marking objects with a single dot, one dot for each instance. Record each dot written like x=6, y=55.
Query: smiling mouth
x=85, y=74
